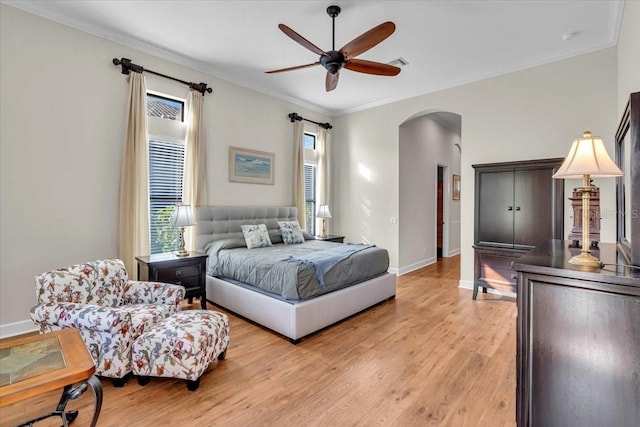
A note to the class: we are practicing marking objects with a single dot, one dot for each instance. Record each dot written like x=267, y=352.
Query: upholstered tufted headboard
x=223, y=222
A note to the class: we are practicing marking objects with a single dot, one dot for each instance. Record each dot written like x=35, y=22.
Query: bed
x=292, y=312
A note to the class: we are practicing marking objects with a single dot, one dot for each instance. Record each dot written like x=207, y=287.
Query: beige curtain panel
x=133, y=233
x=194, y=191
x=323, y=147
x=298, y=172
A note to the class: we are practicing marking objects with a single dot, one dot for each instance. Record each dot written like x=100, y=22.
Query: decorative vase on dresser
x=594, y=217
x=517, y=206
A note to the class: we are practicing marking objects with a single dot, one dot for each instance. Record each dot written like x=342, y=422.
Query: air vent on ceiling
x=400, y=62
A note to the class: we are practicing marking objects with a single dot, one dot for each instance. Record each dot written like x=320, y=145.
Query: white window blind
x=310, y=181
x=166, y=171
x=310, y=197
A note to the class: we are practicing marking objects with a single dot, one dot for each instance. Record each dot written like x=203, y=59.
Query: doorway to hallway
x=439, y=211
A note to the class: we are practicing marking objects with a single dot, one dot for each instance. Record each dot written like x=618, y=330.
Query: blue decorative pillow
x=291, y=232
x=256, y=236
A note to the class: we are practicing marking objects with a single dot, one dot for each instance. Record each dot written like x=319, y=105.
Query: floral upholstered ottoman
x=181, y=346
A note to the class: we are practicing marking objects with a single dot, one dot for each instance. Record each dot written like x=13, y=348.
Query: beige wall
x=628, y=56
x=534, y=113
x=61, y=133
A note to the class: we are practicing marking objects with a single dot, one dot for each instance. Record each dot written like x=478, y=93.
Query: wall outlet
x=393, y=220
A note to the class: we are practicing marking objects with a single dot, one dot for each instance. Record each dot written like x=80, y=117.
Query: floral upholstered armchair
x=109, y=310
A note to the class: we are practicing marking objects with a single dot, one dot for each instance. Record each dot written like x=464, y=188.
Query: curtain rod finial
x=201, y=87
x=294, y=117
x=127, y=65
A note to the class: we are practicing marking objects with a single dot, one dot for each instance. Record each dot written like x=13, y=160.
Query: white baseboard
x=393, y=270
x=17, y=328
x=416, y=265
x=468, y=284
x=465, y=284
x=453, y=252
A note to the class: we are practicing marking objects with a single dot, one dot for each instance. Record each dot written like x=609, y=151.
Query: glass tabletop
x=23, y=361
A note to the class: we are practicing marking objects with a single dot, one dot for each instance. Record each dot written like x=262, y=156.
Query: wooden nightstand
x=189, y=271
x=331, y=238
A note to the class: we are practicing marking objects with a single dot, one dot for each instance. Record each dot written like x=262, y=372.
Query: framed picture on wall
x=251, y=166
x=455, y=187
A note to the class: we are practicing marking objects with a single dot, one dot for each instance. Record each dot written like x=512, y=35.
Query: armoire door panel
x=533, y=207
x=495, y=222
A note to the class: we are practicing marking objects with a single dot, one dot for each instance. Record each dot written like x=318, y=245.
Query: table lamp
x=587, y=158
x=323, y=212
x=182, y=217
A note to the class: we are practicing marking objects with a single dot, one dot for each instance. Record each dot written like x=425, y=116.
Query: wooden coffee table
x=37, y=364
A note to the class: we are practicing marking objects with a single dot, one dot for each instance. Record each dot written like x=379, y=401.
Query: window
x=166, y=168
x=165, y=108
x=310, y=181
x=309, y=141
x=310, y=197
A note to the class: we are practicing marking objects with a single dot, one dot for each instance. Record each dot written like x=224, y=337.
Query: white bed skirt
x=298, y=320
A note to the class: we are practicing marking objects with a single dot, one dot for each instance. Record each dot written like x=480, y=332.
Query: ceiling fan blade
x=366, y=41
x=298, y=38
x=371, y=67
x=332, y=80
x=297, y=67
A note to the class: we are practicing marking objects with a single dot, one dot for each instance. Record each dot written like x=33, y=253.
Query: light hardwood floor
x=430, y=357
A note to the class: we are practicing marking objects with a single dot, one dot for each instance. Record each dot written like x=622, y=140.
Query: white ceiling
x=447, y=43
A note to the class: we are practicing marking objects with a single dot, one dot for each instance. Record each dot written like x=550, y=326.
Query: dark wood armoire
x=517, y=206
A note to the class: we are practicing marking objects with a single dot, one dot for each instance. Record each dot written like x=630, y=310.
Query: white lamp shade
x=182, y=216
x=588, y=156
x=323, y=212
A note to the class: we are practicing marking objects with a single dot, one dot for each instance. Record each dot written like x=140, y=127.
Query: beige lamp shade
x=588, y=156
x=323, y=212
x=182, y=216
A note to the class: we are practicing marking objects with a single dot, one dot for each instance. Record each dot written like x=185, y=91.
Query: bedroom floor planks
x=430, y=357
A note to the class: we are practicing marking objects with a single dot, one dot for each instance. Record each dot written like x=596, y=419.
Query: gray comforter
x=268, y=269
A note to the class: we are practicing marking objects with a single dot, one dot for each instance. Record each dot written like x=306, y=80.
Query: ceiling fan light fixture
x=332, y=61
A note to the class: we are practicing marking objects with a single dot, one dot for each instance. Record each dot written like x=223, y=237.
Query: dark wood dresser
x=578, y=340
x=517, y=206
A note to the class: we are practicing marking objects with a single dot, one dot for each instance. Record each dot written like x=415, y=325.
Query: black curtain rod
x=295, y=117
x=127, y=66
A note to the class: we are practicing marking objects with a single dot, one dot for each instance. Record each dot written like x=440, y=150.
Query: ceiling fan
x=334, y=60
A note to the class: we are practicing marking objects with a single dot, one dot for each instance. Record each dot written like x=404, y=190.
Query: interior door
x=439, y=218
x=495, y=204
x=533, y=207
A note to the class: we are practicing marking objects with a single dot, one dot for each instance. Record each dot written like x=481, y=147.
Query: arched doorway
x=429, y=157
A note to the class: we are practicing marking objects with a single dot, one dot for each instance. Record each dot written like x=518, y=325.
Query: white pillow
x=291, y=232
x=256, y=236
